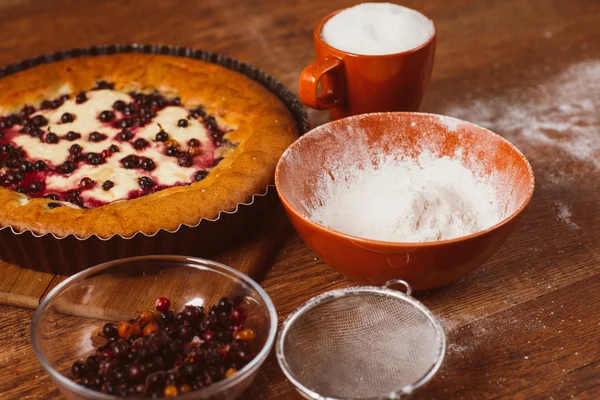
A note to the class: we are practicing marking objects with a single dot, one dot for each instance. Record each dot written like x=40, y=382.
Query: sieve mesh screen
x=363, y=344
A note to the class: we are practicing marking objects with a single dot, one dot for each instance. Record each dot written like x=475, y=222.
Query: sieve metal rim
x=353, y=291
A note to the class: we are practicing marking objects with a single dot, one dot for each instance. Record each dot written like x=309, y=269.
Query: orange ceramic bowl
x=424, y=265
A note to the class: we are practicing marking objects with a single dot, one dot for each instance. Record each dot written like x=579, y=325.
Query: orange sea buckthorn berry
x=245, y=334
x=146, y=317
x=230, y=372
x=125, y=330
x=193, y=151
x=184, y=388
x=170, y=391
x=171, y=143
x=150, y=329
x=136, y=329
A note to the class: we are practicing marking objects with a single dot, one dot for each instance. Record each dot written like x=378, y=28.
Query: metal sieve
x=361, y=343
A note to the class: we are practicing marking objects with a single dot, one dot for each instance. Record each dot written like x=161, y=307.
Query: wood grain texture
x=525, y=325
x=21, y=287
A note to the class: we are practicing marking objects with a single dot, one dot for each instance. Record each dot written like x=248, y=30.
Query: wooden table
x=526, y=325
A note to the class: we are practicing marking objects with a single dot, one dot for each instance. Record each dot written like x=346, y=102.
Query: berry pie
x=130, y=143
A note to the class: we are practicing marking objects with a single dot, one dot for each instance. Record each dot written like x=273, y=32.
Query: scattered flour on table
x=406, y=200
x=563, y=215
x=561, y=113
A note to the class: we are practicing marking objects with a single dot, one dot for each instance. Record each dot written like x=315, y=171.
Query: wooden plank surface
x=21, y=287
x=524, y=326
x=25, y=288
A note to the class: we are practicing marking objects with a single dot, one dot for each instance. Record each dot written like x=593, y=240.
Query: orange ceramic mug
x=356, y=84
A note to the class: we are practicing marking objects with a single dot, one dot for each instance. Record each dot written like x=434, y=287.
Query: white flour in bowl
x=406, y=200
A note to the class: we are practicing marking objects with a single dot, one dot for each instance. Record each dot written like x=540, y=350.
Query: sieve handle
x=408, y=289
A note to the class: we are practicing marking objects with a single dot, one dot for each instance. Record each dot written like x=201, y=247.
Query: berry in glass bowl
x=159, y=355
x=91, y=337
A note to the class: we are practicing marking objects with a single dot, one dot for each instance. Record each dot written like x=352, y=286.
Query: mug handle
x=329, y=71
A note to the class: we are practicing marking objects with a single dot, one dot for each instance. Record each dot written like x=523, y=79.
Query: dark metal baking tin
x=69, y=254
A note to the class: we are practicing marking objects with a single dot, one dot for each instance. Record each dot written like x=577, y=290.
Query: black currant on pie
x=130, y=143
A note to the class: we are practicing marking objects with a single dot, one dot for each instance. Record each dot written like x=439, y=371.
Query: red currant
x=238, y=315
x=162, y=304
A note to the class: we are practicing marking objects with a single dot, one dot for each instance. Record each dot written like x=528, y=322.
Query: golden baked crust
x=263, y=129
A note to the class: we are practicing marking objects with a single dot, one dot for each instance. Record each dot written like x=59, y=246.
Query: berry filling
x=164, y=354
x=122, y=145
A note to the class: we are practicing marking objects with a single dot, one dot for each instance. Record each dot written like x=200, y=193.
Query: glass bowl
x=68, y=319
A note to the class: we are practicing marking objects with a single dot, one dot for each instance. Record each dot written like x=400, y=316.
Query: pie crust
x=262, y=129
